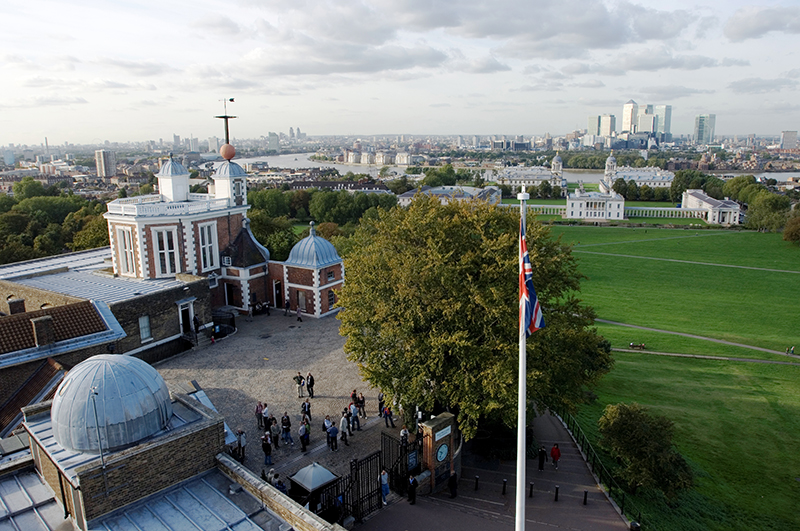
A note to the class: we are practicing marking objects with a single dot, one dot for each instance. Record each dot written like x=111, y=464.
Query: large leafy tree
x=431, y=305
x=642, y=443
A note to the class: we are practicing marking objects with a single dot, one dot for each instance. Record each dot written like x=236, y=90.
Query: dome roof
x=313, y=251
x=172, y=168
x=557, y=158
x=611, y=158
x=132, y=404
x=230, y=169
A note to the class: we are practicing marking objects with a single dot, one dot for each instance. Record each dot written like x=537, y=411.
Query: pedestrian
x=380, y=403
x=305, y=409
x=787, y=351
x=260, y=414
x=792, y=351
x=302, y=433
x=308, y=432
x=384, y=477
x=452, y=484
x=310, y=384
x=196, y=322
x=300, y=382
x=387, y=416
x=274, y=431
x=298, y=315
x=266, y=446
x=286, y=309
x=404, y=436
x=265, y=416
x=281, y=487
x=412, y=489
x=344, y=425
x=355, y=422
x=286, y=426
x=418, y=437
x=271, y=476
x=354, y=396
x=242, y=442
x=349, y=420
x=555, y=455
x=326, y=425
x=333, y=433
x=362, y=405
x=275, y=479
x=542, y=457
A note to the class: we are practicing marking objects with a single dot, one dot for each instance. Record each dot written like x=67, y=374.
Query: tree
x=27, y=188
x=92, y=236
x=430, y=307
x=545, y=190
x=632, y=191
x=646, y=193
x=767, y=211
x=620, y=186
x=123, y=193
x=643, y=444
x=791, y=233
x=273, y=202
x=732, y=187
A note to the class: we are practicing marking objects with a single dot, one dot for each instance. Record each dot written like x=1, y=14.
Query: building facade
x=106, y=162
x=704, y=125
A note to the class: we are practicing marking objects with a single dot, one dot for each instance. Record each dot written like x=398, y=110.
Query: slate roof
x=69, y=321
x=38, y=388
x=245, y=251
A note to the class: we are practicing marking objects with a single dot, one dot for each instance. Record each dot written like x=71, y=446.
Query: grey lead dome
x=132, y=404
x=313, y=252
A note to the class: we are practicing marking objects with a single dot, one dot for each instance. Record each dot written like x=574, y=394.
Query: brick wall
x=304, y=277
x=34, y=297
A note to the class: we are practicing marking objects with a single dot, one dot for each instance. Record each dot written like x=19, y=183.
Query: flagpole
x=523, y=393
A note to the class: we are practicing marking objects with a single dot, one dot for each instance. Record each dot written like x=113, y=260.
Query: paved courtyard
x=258, y=362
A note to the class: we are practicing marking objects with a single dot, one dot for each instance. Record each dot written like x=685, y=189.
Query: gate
x=366, y=485
x=398, y=459
x=336, y=501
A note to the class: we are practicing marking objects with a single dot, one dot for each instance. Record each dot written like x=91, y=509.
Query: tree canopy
x=431, y=304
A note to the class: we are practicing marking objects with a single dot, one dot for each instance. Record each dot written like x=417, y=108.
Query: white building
x=725, y=212
x=534, y=176
x=630, y=112
x=595, y=206
x=651, y=176
x=445, y=194
x=788, y=139
x=608, y=125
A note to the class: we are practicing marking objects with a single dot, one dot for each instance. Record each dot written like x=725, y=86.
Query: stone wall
x=34, y=297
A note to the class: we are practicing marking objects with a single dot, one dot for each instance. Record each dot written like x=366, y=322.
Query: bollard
x=476, y=482
x=530, y=494
x=585, y=495
x=556, y=493
x=505, y=482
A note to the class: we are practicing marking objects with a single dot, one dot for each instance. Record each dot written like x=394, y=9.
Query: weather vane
x=226, y=118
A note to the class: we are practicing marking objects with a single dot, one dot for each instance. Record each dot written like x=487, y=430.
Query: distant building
x=651, y=176
x=8, y=157
x=608, y=125
x=664, y=123
x=593, y=125
x=718, y=212
x=595, y=206
x=446, y=194
x=106, y=163
x=704, y=128
x=274, y=144
x=789, y=140
x=630, y=112
x=213, y=144
x=646, y=123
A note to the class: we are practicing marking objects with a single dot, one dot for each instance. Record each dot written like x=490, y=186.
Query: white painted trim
x=189, y=247
x=177, y=261
x=214, y=244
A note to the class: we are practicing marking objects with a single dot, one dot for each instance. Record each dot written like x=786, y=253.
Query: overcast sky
x=91, y=70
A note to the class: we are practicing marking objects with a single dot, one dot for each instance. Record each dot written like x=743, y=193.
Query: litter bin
x=635, y=526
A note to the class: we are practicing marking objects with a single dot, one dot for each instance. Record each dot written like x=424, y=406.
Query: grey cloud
x=576, y=68
x=138, y=68
x=486, y=65
x=729, y=61
x=218, y=25
x=672, y=92
x=532, y=69
x=544, y=86
x=440, y=105
x=754, y=22
x=659, y=59
x=594, y=83
x=755, y=85
x=793, y=73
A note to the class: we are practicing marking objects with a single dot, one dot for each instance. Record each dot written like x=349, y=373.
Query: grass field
x=737, y=423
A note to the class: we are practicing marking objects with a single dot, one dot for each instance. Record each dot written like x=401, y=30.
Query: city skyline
x=137, y=71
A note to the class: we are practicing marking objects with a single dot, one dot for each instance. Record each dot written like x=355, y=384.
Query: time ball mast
x=227, y=152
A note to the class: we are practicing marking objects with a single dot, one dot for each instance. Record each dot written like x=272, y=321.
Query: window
x=126, y=263
x=208, y=248
x=165, y=243
x=144, y=328
x=331, y=275
x=331, y=299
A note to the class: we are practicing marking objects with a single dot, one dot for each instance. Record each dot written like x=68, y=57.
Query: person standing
x=555, y=455
x=242, y=441
x=286, y=309
x=349, y=421
x=387, y=416
x=274, y=431
x=384, y=478
x=381, y=398
x=412, y=489
x=333, y=433
x=286, y=426
x=298, y=315
x=362, y=405
x=266, y=446
x=305, y=409
x=299, y=381
x=308, y=432
x=404, y=436
x=265, y=417
x=452, y=484
x=302, y=433
x=344, y=425
x=542, y=457
x=310, y=385
x=326, y=425
x=355, y=422
x=792, y=351
x=260, y=414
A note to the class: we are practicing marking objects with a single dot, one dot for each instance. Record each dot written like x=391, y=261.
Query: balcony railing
x=155, y=205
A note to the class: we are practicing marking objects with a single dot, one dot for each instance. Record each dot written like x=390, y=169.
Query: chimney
x=16, y=306
x=43, y=330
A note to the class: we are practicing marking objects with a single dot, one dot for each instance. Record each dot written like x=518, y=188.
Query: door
x=186, y=319
x=301, y=301
x=230, y=294
x=278, y=294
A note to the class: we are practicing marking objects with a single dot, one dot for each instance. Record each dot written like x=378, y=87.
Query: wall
x=34, y=297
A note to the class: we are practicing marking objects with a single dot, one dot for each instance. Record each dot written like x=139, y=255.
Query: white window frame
x=331, y=276
x=145, y=332
x=207, y=246
x=157, y=252
x=331, y=299
x=127, y=257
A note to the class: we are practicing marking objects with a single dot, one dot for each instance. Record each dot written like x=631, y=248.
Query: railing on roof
x=161, y=208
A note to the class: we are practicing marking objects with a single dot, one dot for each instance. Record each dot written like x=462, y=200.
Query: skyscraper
x=213, y=144
x=646, y=123
x=608, y=124
x=593, y=125
x=274, y=143
x=704, y=128
x=630, y=112
x=664, y=124
x=788, y=139
x=106, y=163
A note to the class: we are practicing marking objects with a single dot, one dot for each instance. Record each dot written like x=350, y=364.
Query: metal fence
x=394, y=459
x=358, y=494
x=604, y=476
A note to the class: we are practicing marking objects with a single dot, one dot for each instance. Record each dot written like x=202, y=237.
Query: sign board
x=413, y=461
x=444, y=433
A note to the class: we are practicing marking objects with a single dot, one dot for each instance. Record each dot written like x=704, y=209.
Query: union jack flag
x=530, y=311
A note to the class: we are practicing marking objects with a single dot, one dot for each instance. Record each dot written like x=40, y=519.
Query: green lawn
x=736, y=423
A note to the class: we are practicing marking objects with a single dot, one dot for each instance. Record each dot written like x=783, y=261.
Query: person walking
x=286, y=309
x=791, y=351
x=384, y=478
x=259, y=414
x=555, y=455
x=305, y=409
x=299, y=381
x=404, y=436
x=333, y=433
x=298, y=315
x=308, y=432
x=266, y=446
x=452, y=484
x=542, y=457
x=387, y=416
x=344, y=425
x=310, y=385
x=381, y=398
x=412, y=489
x=302, y=433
